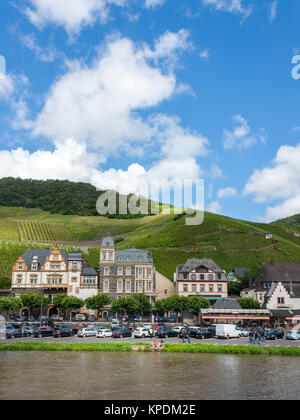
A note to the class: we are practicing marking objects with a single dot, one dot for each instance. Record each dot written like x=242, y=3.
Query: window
x=19, y=279
x=33, y=279
x=202, y=277
x=166, y=291
x=20, y=266
x=185, y=287
x=106, y=285
x=77, y=290
x=140, y=285
x=106, y=271
x=280, y=300
x=149, y=272
x=110, y=255
x=220, y=288
x=140, y=272
x=120, y=271
x=128, y=285
x=193, y=276
x=211, y=287
x=34, y=266
x=149, y=285
x=120, y=285
x=202, y=288
x=74, y=266
x=128, y=271
x=55, y=266
x=194, y=288
x=211, y=277
x=71, y=289
x=103, y=255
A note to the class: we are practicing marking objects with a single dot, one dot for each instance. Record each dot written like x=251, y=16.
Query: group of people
x=257, y=336
x=156, y=346
x=187, y=337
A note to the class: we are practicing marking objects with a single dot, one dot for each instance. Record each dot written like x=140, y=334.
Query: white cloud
x=44, y=54
x=214, y=207
x=278, y=183
x=215, y=171
x=273, y=10
x=226, y=193
x=93, y=112
x=204, y=54
x=73, y=15
x=153, y=3
x=241, y=137
x=7, y=86
x=232, y=6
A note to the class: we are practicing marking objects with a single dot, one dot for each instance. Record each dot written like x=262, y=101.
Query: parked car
x=87, y=332
x=91, y=318
x=28, y=330
x=31, y=319
x=158, y=318
x=293, y=335
x=121, y=332
x=244, y=332
x=170, y=319
x=147, y=325
x=178, y=328
x=227, y=331
x=212, y=329
x=55, y=318
x=141, y=332
x=204, y=333
x=165, y=333
x=13, y=333
x=63, y=331
x=274, y=335
x=104, y=333
x=43, y=332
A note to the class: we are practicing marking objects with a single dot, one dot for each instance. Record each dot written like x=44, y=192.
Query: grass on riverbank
x=169, y=348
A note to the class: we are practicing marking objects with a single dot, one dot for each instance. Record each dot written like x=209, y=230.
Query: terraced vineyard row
x=44, y=232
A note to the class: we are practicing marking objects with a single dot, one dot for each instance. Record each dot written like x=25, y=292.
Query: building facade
x=201, y=277
x=126, y=272
x=53, y=271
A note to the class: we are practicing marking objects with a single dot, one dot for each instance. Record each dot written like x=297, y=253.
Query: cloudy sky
x=140, y=90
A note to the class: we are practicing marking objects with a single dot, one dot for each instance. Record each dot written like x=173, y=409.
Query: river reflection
x=104, y=376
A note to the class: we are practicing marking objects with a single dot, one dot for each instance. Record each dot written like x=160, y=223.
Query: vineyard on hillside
x=44, y=232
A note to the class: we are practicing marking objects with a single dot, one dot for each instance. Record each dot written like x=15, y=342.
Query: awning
x=236, y=317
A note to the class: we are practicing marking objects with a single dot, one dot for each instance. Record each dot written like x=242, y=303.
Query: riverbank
x=169, y=348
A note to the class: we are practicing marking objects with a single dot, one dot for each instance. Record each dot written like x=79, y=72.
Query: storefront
x=242, y=317
x=285, y=318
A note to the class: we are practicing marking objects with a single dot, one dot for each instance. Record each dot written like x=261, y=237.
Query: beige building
x=201, y=277
x=165, y=287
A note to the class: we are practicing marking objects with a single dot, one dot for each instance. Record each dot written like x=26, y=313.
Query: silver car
x=87, y=332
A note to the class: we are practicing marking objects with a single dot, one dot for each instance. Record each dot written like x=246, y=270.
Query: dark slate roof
x=89, y=271
x=276, y=271
x=192, y=263
x=227, y=304
x=285, y=312
x=134, y=255
x=41, y=255
x=108, y=241
x=75, y=256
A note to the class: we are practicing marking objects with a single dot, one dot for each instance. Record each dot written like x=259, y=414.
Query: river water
x=154, y=376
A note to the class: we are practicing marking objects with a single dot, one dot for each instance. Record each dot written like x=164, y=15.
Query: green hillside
x=230, y=242
x=55, y=196
x=292, y=221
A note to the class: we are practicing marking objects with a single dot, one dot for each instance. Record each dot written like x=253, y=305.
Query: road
x=173, y=340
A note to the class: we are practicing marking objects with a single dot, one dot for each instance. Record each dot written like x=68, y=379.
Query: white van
x=227, y=331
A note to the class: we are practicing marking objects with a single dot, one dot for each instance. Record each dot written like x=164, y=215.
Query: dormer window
x=34, y=265
x=74, y=266
x=20, y=266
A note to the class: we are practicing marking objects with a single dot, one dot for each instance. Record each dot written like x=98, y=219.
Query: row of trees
x=129, y=305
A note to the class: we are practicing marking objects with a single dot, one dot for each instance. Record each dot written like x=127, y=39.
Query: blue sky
x=131, y=91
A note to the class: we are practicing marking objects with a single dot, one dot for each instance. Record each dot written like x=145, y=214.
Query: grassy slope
x=292, y=221
x=230, y=242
